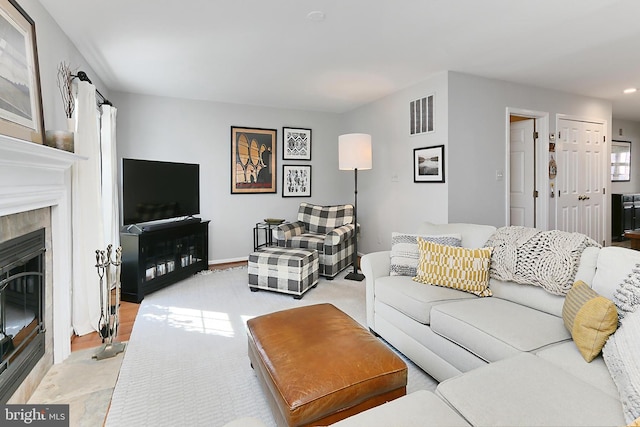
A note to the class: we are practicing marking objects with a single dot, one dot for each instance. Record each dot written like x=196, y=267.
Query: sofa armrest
x=373, y=266
x=285, y=232
x=339, y=235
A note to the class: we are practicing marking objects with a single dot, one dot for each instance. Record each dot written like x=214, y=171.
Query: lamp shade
x=354, y=151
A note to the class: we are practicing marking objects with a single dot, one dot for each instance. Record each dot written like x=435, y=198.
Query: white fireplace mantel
x=34, y=176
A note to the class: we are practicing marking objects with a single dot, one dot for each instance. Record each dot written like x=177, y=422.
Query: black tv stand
x=157, y=255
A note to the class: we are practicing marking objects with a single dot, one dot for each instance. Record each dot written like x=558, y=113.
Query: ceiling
x=269, y=53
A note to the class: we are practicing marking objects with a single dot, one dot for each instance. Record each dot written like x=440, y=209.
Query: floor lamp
x=354, y=152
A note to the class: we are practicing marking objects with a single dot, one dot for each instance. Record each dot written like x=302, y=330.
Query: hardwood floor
x=128, y=313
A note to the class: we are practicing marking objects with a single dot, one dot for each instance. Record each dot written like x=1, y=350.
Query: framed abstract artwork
x=296, y=144
x=253, y=160
x=20, y=96
x=428, y=164
x=296, y=181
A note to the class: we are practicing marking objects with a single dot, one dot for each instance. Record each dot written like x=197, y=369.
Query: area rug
x=186, y=362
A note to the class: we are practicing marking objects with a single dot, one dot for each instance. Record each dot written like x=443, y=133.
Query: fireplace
x=22, y=331
x=35, y=194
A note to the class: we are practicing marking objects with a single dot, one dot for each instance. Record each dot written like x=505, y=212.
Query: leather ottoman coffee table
x=317, y=365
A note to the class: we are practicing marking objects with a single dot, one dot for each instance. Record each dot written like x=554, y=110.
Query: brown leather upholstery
x=317, y=365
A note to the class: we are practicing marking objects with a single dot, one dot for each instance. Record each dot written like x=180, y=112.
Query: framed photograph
x=253, y=160
x=296, y=181
x=428, y=164
x=20, y=97
x=296, y=144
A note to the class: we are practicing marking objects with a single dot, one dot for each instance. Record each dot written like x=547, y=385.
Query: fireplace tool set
x=109, y=273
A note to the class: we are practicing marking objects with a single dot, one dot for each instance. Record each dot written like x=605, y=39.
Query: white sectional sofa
x=501, y=360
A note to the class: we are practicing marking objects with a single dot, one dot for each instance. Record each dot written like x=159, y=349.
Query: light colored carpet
x=186, y=362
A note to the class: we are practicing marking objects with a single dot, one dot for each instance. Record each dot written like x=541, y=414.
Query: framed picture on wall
x=296, y=144
x=428, y=164
x=296, y=181
x=253, y=160
x=20, y=96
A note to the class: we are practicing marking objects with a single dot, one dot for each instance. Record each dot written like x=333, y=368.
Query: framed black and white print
x=296, y=181
x=428, y=164
x=296, y=144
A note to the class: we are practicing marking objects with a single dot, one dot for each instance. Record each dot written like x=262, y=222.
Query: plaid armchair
x=327, y=229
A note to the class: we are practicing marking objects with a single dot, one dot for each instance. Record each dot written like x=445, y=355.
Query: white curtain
x=110, y=208
x=88, y=229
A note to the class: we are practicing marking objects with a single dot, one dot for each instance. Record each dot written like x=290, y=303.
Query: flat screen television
x=154, y=190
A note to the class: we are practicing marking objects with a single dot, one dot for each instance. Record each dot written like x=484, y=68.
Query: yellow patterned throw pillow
x=452, y=267
x=590, y=318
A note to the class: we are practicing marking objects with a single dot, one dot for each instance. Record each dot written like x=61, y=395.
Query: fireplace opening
x=22, y=338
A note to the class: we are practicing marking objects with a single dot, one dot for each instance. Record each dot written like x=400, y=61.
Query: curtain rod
x=82, y=76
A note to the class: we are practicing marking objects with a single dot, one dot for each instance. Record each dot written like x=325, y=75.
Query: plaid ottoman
x=287, y=270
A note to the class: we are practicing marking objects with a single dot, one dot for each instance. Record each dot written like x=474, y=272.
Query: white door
x=522, y=208
x=582, y=168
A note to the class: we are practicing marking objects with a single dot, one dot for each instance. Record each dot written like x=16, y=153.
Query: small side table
x=262, y=232
x=634, y=236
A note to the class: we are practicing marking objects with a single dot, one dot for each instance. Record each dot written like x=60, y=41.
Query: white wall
x=387, y=204
x=471, y=121
x=477, y=139
x=54, y=47
x=626, y=130
x=169, y=129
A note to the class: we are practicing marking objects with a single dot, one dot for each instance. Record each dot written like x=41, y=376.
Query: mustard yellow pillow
x=590, y=318
x=452, y=267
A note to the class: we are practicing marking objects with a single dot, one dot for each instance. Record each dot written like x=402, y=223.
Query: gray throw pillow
x=405, y=253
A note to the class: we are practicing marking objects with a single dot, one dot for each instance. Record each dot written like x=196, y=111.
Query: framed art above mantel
x=20, y=95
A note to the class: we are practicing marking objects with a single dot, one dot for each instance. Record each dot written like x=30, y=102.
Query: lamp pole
x=354, y=152
x=354, y=275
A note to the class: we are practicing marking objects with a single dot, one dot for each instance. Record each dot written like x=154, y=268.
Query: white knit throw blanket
x=548, y=259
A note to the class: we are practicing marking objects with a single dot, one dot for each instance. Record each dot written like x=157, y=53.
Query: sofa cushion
x=308, y=241
x=622, y=356
x=414, y=299
x=614, y=265
x=529, y=295
x=567, y=356
x=458, y=268
x=590, y=318
x=473, y=235
x=405, y=253
x=526, y=390
x=494, y=329
x=419, y=409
